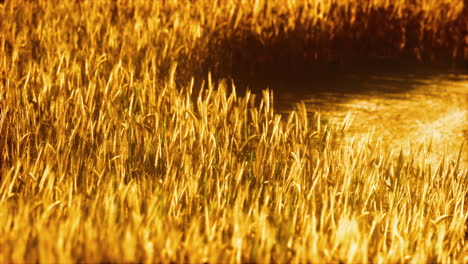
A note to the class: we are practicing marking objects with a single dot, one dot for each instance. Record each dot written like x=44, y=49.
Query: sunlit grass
x=110, y=152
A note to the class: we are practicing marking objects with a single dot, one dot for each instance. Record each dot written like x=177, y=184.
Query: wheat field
x=123, y=138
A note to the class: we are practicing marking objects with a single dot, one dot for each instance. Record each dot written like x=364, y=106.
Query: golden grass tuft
x=107, y=156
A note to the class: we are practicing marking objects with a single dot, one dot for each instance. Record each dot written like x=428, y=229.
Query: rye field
x=124, y=138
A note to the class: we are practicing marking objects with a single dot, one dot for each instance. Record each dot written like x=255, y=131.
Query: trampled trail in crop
x=432, y=111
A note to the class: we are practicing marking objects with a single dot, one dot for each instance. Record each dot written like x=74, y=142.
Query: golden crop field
x=123, y=138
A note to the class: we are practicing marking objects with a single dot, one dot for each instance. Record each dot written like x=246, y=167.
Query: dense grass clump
x=111, y=152
x=271, y=38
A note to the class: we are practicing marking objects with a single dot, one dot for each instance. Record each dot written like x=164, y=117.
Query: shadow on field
x=335, y=85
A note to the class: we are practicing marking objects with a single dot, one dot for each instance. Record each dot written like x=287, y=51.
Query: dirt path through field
x=402, y=110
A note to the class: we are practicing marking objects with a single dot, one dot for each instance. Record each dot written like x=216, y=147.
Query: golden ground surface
x=428, y=110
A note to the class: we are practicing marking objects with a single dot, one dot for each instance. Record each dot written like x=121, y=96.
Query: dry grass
x=107, y=157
